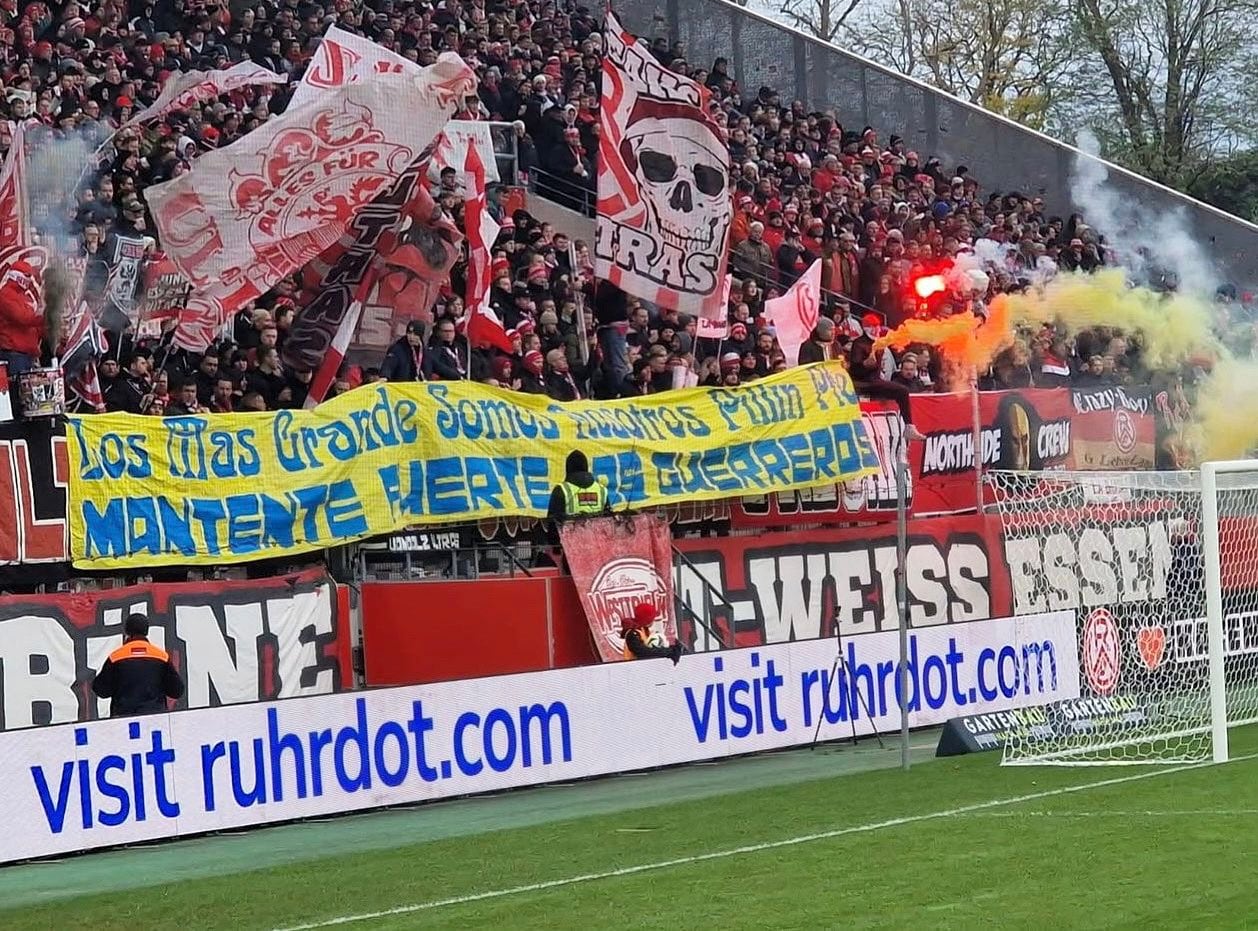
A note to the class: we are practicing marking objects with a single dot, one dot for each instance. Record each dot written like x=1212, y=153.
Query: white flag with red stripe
x=345, y=58
x=183, y=89
x=482, y=325
x=664, y=205
x=795, y=313
x=254, y=212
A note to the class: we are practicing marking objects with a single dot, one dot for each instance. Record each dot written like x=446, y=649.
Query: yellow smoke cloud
x=1226, y=414
x=1172, y=329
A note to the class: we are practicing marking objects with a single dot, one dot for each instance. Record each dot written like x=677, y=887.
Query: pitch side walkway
x=226, y=854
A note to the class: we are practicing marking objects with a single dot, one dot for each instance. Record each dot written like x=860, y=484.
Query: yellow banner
x=148, y=491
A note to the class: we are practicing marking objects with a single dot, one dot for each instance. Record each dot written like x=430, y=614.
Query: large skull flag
x=664, y=199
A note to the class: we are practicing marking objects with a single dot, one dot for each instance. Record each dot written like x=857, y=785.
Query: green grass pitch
x=960, y=843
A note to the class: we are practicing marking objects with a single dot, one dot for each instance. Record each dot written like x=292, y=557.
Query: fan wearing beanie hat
x=640, y=643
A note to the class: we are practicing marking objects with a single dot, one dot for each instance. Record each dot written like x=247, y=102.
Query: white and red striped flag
x=183, y=89
x=256, y=211
x=664, y=206
x=481, y=325
x=330, y=365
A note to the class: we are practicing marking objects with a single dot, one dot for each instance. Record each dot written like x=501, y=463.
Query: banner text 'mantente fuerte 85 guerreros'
x=233, y=487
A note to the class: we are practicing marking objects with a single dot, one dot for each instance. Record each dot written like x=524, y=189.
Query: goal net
x=1161, y=571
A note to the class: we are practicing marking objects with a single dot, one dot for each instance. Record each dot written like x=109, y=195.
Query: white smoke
x=1149, y=242
x=55, y=169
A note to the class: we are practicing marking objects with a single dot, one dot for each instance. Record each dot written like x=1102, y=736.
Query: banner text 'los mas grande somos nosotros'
x=232, y=487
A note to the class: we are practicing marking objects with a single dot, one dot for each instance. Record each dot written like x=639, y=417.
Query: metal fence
x=1001, y=154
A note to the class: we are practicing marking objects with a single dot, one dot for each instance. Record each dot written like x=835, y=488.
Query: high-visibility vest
x=643, y=632
x=584, y=502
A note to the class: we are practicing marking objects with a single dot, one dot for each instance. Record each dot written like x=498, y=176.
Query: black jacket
x=138, y=677
x=399, y=363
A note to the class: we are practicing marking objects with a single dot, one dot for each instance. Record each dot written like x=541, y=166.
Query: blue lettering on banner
x=83, y=786
x=112, y=779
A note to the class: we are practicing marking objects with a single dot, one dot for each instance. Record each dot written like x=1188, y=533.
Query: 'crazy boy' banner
x=235, y=487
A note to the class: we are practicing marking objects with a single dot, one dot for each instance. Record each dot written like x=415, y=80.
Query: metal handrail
x=690, y=613
x=546, y=184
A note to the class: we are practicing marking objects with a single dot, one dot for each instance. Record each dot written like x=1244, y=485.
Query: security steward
x=580, y=494
x=137, y=677
x=636, y=632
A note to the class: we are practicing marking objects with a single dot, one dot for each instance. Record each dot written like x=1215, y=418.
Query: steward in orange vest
x=138, y=677
x=636, y=632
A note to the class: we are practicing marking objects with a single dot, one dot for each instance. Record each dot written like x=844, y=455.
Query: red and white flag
x=330, y=365
x=795, y=313
x=618, y=564
x=14, y=230
x=483, y=327
x=708, y=328
x=453, y=142
x=185, y=88
x=664, y=204
x=345, y=58
x=250, y=214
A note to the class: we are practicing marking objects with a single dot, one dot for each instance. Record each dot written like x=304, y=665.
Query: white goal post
x=1161, y=569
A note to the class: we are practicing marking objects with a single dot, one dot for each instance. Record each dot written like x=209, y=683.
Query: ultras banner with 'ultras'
x=664, y=203
x=232, y=487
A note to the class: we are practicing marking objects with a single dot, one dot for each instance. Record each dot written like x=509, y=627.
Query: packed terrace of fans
x=808, y=186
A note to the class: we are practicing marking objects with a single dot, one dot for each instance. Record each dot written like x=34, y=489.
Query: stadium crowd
x=877, y=214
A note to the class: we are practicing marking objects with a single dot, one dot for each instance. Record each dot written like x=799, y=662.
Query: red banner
x=33, y=476
x=1028, y=429
x=1114, y=429
x=232, y=642
x=806, y=584
x=617, y=563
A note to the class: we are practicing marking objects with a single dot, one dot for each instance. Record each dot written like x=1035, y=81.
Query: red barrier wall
x=417, y=632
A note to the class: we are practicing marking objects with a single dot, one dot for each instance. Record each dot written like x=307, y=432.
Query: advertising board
x=103, y=783
x=232, y=642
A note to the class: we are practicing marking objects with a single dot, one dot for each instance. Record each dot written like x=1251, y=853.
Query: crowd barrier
x=105, y=783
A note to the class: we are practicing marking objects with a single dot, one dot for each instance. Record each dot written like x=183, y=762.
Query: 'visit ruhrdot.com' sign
x=78, y=786
x=150, y=491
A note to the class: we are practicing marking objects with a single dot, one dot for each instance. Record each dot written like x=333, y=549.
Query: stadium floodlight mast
x=1161, y=571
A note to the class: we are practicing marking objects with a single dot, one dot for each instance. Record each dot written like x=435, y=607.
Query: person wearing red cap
x=532, y=379
x=639, y=642
x=21, y=324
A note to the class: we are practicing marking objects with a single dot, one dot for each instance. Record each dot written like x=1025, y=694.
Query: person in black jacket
x=138, y=677
x=405, y=359
x=444, y=360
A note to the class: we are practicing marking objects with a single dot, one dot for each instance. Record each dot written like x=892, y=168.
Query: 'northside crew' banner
x=235, y=487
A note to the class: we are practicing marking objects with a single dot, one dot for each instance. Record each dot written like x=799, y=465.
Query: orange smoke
x=964, y=337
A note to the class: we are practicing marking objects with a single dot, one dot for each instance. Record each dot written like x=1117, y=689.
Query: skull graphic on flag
x=664, y=206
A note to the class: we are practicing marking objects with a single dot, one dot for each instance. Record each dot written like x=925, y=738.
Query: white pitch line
x=1147, y=813
x=751, y=848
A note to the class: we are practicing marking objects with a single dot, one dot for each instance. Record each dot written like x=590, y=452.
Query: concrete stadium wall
x=1003, y=155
